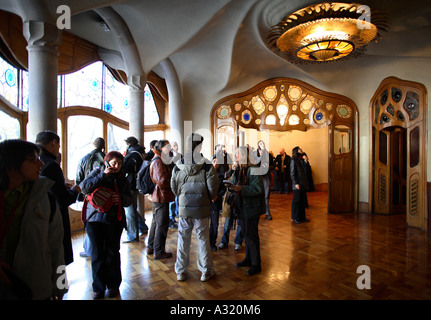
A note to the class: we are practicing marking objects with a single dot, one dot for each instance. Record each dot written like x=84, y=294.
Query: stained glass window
x=224, y=111
x=84, y=87
x=271, y=119
x=270, y=93
x=116, y=100
x=9, y=82
x=82, y=131
x=10, y=128
x=258, y=105
x=24, y=91
x=293, y=120
x=282, y=113
x=116, y=137
x=151, y=116
x=307, y=104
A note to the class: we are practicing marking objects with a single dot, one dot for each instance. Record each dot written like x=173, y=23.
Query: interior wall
x=314, y=142
x=358, y=80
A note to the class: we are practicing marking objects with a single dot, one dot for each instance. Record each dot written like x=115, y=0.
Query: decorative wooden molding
x=284, y=104
x=398, y=137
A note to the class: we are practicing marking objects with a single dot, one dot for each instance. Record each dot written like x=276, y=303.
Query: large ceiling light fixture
x=326, y=32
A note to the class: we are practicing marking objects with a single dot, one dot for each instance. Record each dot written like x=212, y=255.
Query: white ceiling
x=218, y=46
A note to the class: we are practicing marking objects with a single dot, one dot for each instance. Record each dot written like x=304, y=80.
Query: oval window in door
x=342, y=139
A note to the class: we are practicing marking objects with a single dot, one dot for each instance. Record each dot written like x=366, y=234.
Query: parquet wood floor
x=313, y=261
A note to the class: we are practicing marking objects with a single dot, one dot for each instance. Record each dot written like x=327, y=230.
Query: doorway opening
x=287, y=105
x=391, y=165
x=398, y=133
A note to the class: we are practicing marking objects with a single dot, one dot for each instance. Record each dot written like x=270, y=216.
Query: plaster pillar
x=136, y=100
x=136, y=122
x=43, y=40
x=175, y=104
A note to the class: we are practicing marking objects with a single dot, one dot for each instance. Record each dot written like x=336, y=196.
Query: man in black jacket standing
x=131, y=165
x=64, y=193
x=282, y=165
x=299, y=185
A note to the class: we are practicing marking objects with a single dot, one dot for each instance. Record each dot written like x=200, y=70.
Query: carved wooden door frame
x=295, y=105
x=403, y=104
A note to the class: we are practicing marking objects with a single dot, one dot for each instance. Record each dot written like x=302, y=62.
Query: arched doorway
x=398, y=156
x=284, y=104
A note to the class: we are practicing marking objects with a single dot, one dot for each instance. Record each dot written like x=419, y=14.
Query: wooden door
x=341, y=191
x=398, y=162
x=390, y=171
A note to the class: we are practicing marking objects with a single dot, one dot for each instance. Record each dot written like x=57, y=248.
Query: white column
x=136, y=100
x=175, y=103
x=43, y=40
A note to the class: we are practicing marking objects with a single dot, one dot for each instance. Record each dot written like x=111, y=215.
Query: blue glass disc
x=108, y=107
x=10, y=77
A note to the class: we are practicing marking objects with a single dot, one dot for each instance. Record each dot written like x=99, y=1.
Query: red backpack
x=101, y=199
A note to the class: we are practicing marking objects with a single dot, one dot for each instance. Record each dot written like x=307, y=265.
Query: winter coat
x=132, y=163
x=161, y=175
x=98, y=178
x=39, y=252
x=195, y=185
x=97, y=156
x=64, y=196
x=298, y=174
x=251, y=201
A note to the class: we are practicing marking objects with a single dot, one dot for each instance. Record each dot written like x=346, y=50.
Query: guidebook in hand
x=228, y=183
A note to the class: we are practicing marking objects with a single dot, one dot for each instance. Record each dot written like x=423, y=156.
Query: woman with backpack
x=105, y=224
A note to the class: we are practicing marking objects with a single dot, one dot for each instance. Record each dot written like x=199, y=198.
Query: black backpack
x=143, y=179
x=95, y=160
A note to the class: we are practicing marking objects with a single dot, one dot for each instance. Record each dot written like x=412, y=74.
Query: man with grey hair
x=195, y=183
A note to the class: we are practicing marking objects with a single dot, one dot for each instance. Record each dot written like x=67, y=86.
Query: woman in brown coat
x=160, y=172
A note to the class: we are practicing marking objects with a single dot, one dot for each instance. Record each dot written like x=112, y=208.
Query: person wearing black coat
x=282, y=165
x=104, y=229
x=132, y=163
x=299, y=177
x=64, y=194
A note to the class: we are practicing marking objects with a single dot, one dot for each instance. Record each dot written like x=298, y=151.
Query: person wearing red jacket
x=160, y=172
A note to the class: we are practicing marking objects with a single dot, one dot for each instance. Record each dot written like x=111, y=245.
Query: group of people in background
x=34, y=196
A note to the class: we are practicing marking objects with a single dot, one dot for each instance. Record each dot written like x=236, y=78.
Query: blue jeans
x=132, y=218
x=173, y=209
x=239, y=236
